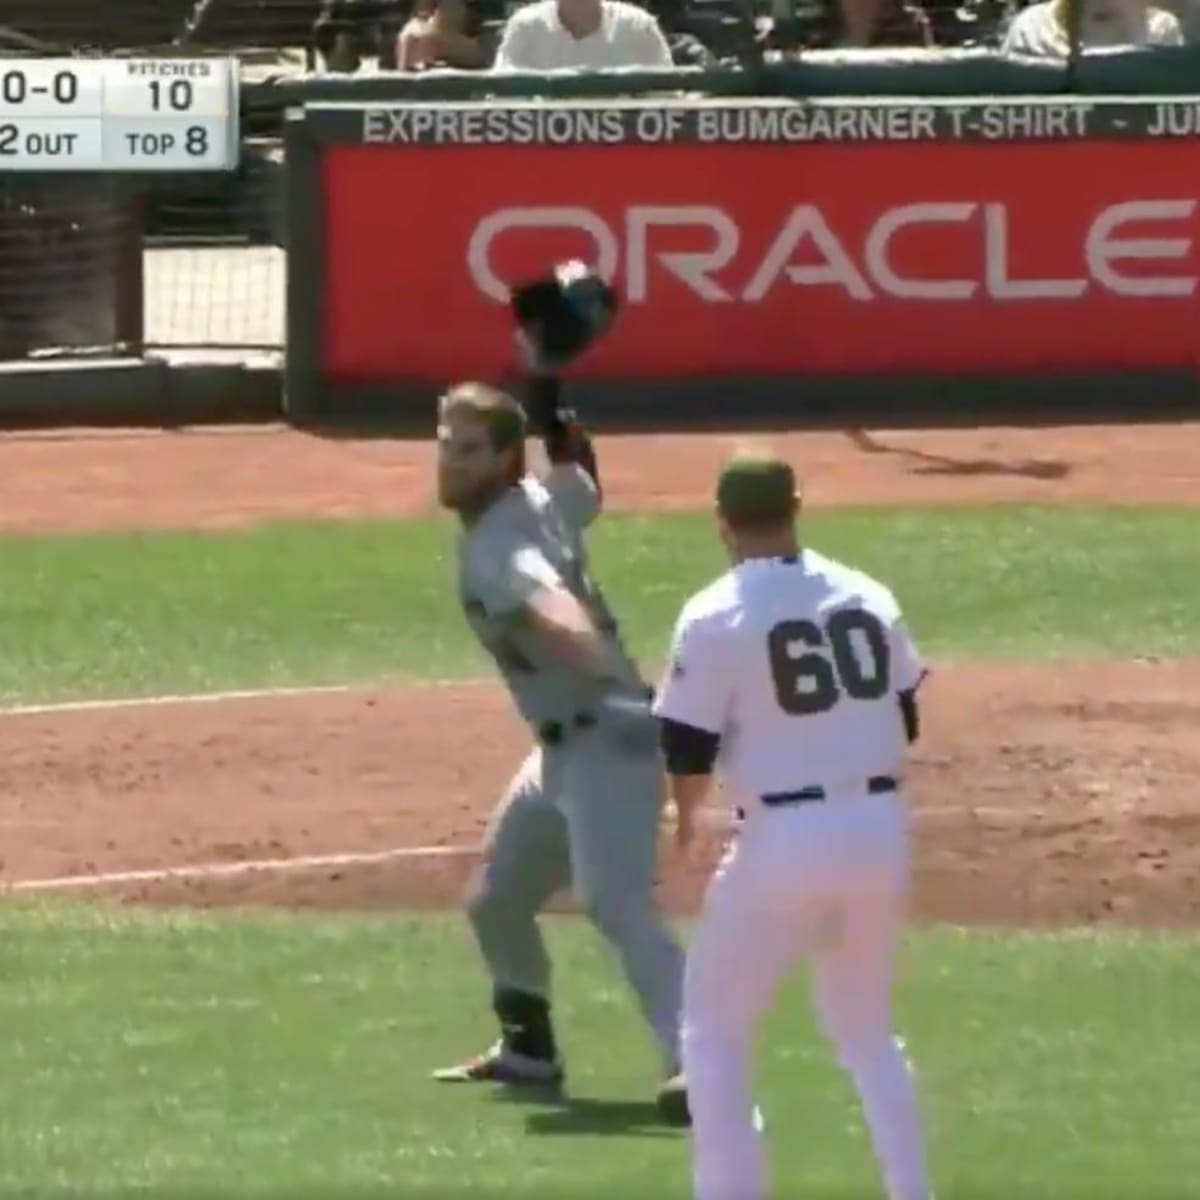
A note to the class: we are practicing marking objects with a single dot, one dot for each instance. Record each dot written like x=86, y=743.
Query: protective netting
x=214, y=297
x=92, y=264
x=69, y=255
x=214, y=263
x=106, y=265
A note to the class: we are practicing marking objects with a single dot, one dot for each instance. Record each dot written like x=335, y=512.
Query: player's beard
x=472, y=501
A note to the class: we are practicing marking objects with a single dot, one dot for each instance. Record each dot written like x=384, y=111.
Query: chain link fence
x=200, y=254
x=213, y=259
x=70, y=280
x=116, y=264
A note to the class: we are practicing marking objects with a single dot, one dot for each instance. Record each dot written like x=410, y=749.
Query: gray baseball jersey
x=533, y=537
x=583, y=812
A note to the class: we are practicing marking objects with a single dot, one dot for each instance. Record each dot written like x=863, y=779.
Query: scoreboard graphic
x=69, y=114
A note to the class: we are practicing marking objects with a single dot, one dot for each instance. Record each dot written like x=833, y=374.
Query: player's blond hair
x=500, y=414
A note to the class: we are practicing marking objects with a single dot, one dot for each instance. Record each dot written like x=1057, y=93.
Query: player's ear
x=513, y=458
x=725, y=531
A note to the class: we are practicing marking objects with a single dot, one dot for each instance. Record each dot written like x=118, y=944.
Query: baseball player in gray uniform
x=584, y=809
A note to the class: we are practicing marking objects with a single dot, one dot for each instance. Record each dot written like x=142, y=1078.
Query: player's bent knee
x=482, y=901
x=614, y=914
x=494, y=899
x=604, y=916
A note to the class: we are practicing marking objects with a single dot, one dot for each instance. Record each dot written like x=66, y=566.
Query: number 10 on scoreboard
x=119, y=114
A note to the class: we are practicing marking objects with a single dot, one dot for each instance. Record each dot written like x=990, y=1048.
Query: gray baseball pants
x=585, y=815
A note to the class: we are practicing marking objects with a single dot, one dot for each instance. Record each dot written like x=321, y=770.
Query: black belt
x=553, y=733
x=876, y=786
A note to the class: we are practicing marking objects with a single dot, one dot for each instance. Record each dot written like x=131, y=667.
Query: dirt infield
x=87, y=482
x=1039, y=795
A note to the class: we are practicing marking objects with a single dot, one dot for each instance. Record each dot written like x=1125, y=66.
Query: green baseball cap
x=757, y=489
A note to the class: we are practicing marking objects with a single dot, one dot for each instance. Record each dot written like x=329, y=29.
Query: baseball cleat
x=673, y=1101
x=500, y=1065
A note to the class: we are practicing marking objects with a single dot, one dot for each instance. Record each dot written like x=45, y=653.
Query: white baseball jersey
x=535, y=39
x=532, y=537
x=1038, y=30
x=796, y=662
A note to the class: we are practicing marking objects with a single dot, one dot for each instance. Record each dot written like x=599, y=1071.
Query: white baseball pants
x=824, y=882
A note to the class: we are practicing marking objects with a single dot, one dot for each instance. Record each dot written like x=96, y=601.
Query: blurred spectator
x=689, y=27
x=550, y=34
x=883, y=23
x=1043, y=30
x=341, y=37
x=687, y=50
x=1187, y=13
x=687, y=47
x=440, y=33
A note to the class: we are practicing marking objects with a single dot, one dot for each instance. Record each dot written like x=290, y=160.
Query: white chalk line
x=83, y=706
x=167, y=700
x=308, y=862
x=299, y=864
x=289, y=692
x=316, y=862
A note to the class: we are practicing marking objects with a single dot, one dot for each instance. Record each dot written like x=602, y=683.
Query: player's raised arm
x=574, y=475
x=560, y=315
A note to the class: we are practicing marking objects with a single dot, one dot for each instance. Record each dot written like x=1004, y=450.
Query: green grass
x=180, y=1055
x=343, y=602
x=285, y=1057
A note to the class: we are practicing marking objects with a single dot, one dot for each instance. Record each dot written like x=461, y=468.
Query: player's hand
x=531, y=357
x=526, y=351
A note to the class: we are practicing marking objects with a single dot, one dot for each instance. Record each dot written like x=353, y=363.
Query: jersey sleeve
x=908, y=669
x=503, y=578
x=573, y=494
x=696, y=687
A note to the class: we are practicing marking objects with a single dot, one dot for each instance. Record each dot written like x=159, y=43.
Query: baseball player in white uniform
x=794, y=678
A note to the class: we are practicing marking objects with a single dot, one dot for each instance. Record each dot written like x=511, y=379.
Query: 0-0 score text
x=15, y=88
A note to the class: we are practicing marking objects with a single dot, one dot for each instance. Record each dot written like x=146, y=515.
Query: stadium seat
x=231, y=23
x=71, y=25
